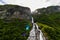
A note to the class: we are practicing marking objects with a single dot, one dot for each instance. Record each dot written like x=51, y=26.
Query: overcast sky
x=33, y=4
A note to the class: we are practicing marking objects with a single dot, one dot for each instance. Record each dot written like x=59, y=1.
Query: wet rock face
x=14, y=11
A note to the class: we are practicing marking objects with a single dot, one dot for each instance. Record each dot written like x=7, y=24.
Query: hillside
x=10, y=11
x=13, y=22
x=50, y=9
x=14, y=19
x=49, y=22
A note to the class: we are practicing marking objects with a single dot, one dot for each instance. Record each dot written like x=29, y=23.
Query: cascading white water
x=35, y=33
x=41, y=34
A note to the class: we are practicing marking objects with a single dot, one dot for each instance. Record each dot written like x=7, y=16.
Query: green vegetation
x=13, y=29
x=49, y=24
x=48, y=20
x=13, y=21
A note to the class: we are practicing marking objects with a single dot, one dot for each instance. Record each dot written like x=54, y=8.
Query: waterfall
x=41, y=34
x=35, y=33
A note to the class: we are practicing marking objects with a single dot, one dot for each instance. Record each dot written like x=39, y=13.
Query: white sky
x=33, y=4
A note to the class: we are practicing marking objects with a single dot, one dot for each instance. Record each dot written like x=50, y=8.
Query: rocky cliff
x=14, y=11
x=48, y=10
